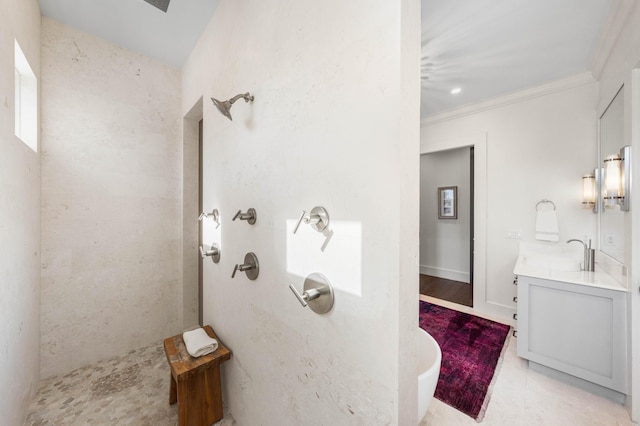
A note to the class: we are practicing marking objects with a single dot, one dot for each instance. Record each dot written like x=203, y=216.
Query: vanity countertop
x=598, y=278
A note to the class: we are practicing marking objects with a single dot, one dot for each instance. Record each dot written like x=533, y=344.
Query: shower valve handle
x=317, y=293
x=302, y=217
x=241, y=268
x=318, y=218
x=307, y=295
x=214, y=214
x=250, y=266
x=214, y=253
x=249, y=216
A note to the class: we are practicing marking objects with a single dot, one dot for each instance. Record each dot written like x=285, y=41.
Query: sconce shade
x=613, y=190
x=588, y=191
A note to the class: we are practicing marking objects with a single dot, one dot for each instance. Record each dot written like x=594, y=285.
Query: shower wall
x=111, y=200
x=19, y=223
x=334, y=123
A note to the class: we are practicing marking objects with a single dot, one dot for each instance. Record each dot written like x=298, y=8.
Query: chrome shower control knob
x=214, y=215
x=214, y=253
x=317, y=293
x=251, y=267
x=250, y=216
x=318, y=218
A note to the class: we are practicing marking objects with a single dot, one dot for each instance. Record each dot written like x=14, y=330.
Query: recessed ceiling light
x=456, y=90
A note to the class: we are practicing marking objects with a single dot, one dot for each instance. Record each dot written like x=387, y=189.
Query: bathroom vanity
x=570, y=320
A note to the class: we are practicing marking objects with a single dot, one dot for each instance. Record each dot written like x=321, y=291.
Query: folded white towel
x=199, y=343
x=547, y=225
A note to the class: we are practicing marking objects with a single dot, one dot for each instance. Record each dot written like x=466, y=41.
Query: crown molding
x=511, y=98
x=620, y=12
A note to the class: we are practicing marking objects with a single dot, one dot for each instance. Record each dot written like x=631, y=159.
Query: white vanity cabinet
x=574, y=328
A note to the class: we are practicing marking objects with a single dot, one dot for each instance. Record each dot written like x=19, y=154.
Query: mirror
x=612, y=235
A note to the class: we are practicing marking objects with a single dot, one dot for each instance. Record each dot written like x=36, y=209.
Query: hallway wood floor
x=452, y=291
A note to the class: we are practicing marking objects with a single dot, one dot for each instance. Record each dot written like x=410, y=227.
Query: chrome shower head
x=225, y=106
x=163, y=5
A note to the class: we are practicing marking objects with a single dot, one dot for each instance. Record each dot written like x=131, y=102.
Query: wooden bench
x=195, y=382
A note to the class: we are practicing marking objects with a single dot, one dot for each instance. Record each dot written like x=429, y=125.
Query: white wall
x=445, y=243
x=111, y=200
x=539, y=144
x=614, y=67
x=19, y=223
x=329, y=126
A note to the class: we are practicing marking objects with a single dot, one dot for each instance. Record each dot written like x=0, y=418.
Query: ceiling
x=486, y=48
x=138, y=25
x=489, y=48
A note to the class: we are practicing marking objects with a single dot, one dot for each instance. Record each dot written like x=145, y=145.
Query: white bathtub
x=429, y=359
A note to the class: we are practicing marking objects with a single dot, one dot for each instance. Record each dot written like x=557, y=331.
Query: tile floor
x=521, y=396
x=129, y=390
x=133, y=390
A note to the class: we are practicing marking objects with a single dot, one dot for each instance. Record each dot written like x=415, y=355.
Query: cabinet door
x=576, y=329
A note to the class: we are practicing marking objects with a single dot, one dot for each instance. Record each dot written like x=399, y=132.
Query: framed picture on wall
x=447, y=202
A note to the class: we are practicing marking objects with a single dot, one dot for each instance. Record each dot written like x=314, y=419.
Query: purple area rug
x=471, y=348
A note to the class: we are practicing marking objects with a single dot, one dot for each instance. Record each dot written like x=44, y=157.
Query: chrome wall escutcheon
x=214, y=253
x=317, y=293
x=250, y=216
x=318, y=218
x=251, y=267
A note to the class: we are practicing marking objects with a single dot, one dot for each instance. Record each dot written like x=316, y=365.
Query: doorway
x=200, y=209
x=191, y=209
x=446, y=225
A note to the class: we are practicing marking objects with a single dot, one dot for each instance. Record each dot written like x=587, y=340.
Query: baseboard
x=495, y=311
x=446, y=274
x=595, y=389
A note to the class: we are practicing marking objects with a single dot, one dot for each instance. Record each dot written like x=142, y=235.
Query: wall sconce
x=616, y=180
x=589, y=191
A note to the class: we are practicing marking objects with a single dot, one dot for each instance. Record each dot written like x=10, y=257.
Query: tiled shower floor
x=128, y=390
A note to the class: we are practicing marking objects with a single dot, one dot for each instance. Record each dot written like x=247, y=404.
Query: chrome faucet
x=589, y=255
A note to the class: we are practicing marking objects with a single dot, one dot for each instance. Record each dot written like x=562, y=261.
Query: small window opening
x=26, y=100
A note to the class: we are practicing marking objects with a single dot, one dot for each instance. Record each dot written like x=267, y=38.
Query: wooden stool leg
x=213, y=394
x=200, y=398
x=173, y=391
x=187, y=407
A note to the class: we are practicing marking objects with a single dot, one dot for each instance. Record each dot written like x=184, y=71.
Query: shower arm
x=247, y=98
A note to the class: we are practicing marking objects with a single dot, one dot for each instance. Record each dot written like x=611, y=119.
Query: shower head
x=225, y=106
x=163, y=5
